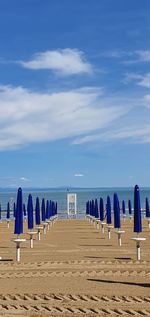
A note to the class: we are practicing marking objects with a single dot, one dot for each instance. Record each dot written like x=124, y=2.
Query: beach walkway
x=75, y=270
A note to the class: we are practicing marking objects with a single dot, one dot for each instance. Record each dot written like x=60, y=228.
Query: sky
x=74, y=93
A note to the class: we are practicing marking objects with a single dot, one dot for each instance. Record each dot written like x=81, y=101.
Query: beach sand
x=75, y=270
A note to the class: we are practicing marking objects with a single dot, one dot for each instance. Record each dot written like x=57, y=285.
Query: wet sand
x=75, y=270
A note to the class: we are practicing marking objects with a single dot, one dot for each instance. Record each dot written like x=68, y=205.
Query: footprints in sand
x=100, y=273
x=73, y=304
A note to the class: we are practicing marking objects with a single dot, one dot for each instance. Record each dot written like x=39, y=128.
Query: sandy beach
x=75, y=270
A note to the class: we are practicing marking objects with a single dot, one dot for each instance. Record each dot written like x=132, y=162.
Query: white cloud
x=141, y=80
x=30, y=117
x=132, y=135
x=78, y=175
x=24, y=179
x=143, y=55
x=66, y=61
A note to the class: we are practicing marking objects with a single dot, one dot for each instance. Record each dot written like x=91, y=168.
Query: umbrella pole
x=138, y=251
x=18, y=252
x=119, y=239
x=39, y=235
x=109, y=233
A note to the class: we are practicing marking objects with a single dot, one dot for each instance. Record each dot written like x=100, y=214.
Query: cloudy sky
x=74, y=93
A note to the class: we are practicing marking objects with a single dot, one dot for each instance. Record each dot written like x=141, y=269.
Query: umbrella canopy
x=30, y=212
x=147, y=208
x=117, y=223
x=47, y=210
x=93, y=208
x=56, y=208
x=18, y=228
x=43, y=210
x=37, y=212
x=96, y=209
x=87, y=207
x=50, y=208
x=24, y=210
x=137, y=210
x=108, y=211
x=130, y=207
x=53, y=208
x=123, y=207
x=101, y=208
x=8, y=211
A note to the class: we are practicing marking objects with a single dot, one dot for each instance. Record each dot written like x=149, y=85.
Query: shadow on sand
x=119, y=282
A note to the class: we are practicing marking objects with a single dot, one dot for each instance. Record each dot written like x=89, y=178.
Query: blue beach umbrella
x=101, y=209
x=93, y=208
x=47, y=209
x=56, y=208
x=137, y=211
x=53, y=208
x=8, y=211
x=37, y=211
x=30, y=212
x=123, y=207
x=90, y=208
x=117, y=223
x=24, y=210
x=96, y=209
x=130, y=207
x=87, y=207
x=50, y=209
x=108, y=211
x=147, y=208
x=18, y=228
x=43, y=210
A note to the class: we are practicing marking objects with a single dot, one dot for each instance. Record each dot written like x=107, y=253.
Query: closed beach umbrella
x=37, y=211
x=147, y=208
x=130, y=207
x=108, y=211
x=8, y=211
x=43, y=210
x=101, y=207
x=93, y=208
x=30, y=212
x=87, y=207
x=137, y=210
x=53, y=208
x=56, y=208
x=123, y=207
x=96, y=209
x=0, y=212
x=50, y=208
x=18, y=228
x=24, y=210
x=47, y=209
x=117, y=223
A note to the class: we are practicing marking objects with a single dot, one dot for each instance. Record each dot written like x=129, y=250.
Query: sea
x=59, y=195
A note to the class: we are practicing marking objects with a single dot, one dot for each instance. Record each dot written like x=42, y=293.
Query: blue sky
x=74, y=93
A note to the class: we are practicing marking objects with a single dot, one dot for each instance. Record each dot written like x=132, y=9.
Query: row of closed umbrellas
x=45, y=213
x=95, y=209
x=96, y=213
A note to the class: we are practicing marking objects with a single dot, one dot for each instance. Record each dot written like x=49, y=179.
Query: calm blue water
x=60, y=195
